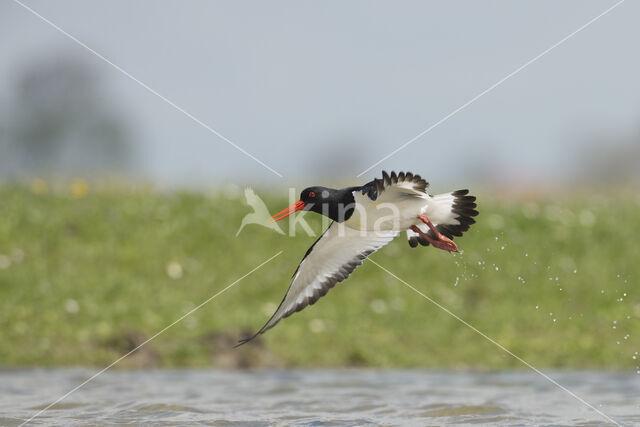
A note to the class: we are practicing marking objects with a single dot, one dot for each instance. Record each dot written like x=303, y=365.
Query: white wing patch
x=390, y=203
x=330, y=260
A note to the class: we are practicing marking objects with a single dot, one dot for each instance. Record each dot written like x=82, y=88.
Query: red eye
x=312, y=194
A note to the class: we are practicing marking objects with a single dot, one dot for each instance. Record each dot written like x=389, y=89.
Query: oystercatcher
x=365, y=219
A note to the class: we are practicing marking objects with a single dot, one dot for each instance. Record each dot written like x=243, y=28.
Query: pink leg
x=441, y=241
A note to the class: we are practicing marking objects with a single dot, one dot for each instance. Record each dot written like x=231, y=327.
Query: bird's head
x=335, y=204
x=314, y=197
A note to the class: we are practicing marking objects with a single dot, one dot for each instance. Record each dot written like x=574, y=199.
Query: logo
x=260, y=214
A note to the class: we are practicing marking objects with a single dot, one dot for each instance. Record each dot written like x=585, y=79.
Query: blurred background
x=318, y=92
x=118, y=212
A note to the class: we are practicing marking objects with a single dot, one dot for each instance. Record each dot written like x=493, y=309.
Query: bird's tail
x=451, y=213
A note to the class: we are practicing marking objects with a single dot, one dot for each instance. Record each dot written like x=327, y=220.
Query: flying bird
x=365, y=219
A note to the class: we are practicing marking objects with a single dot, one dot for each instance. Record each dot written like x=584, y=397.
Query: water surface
x=317, y=397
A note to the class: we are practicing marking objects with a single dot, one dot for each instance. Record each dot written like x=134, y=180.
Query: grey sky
x=298, y=84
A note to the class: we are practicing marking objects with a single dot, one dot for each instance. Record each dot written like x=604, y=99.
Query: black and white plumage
x=330, y=260
x=365, y=219
x=460, y=206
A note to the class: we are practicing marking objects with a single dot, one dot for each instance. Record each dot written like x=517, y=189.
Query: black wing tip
x=246, y=340
x=394, y=178
x=464, y=207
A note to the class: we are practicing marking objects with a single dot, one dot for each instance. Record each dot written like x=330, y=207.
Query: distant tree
x=61, y=125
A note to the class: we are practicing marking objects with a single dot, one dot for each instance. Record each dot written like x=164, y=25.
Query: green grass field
x=84, y=279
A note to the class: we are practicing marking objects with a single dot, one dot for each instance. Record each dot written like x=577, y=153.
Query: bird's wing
x=394, y=186
x=330, y=260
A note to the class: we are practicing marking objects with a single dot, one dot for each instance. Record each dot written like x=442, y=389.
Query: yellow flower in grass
x=79, y=188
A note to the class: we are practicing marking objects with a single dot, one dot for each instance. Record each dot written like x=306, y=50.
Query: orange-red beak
x=297, y=206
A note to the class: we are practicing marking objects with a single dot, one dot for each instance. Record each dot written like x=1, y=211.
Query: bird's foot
x=441, y=241
x=445, y=244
